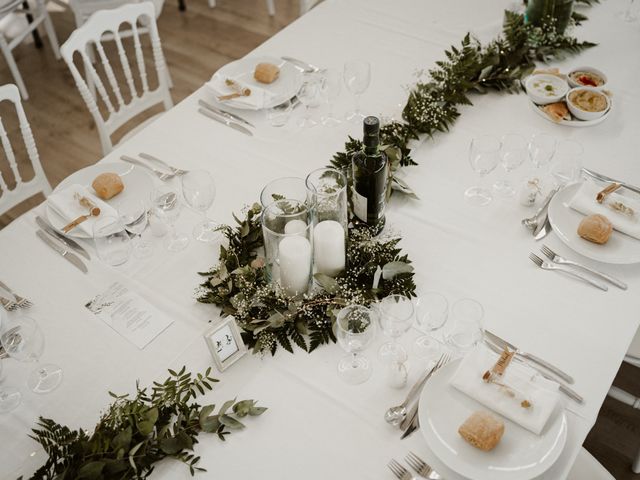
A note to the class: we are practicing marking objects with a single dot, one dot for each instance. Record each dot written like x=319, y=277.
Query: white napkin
x=69, y=208
x=541, y=393
x=584, y=201
x=257, y=100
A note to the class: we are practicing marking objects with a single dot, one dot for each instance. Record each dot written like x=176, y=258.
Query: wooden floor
x=196, y=43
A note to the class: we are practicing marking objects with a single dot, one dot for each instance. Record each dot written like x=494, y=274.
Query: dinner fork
x=555, y=258
x=174, y=170
x=550, y=266
x=421, y=467
x=9, y=305
x=161, y=175
x=399, y=471
x=20, y=302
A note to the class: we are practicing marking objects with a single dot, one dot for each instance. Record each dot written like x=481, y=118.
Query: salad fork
x=555, y=258
x=550, y=266
x=421, y=467
x=399, y=471
x=9, y=305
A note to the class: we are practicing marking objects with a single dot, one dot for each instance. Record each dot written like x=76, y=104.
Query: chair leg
x=36, y=36
x=212, y=3
x=181, y=5
x=636, y=463
x=271, y=8
x=51, y=33
x=13, y=67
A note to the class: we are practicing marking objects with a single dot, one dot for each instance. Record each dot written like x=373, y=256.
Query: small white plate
x=520, y=455
x=620, y=249
x=574, y=122
x=286, y=86
x=138, y=184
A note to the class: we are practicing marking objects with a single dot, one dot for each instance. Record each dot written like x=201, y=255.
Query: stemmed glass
x=357, y=77
x=466, y=329
x=309, y=95
x=331, y=89
x=23, y=340
x=166, y=206
x=355, y=331
x=396, y=317
x=484, y=155
x=541, y=149
x=199, y=190
x=567, y=162
x=134, y=217
x=112, y=241
x=513, y=153
x=10, y=397
x=432, y=311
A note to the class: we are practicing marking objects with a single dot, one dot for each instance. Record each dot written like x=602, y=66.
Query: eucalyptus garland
x=375, y=267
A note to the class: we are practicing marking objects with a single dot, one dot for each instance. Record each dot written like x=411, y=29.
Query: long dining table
x=317, y=427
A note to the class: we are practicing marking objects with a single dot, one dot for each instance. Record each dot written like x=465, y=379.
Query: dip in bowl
x=587, y=103
x=543, y=88
x=587, y=77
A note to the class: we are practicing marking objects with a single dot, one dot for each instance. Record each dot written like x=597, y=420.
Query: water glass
x=112, y=241
x=331, y=90
x=396, y=314
x=567, y=162
x=167, y=206
x=466, y=327
x=278, y=115
x=309, y=96
x=513, y=153
x=484, y=155
x=432, y=311
x=355, y=330
x=135, y=218
x=293, y=188
x=199, y=191
x=357, y=78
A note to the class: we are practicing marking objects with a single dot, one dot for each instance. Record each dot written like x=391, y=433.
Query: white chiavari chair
x=40, y=16
x=90, y=36
x=83, y=9
x=9, y=198
x=588, y=468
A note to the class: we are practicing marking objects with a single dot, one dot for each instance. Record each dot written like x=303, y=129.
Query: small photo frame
x=225, y=343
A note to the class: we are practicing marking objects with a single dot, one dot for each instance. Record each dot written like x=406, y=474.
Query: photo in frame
x=225, y=343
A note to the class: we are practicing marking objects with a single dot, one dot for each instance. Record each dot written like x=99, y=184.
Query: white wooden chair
x=271, y=7
x=83, y=9
x=588, y=468
x=90, y=35
x=40, y=16
x=39, y=183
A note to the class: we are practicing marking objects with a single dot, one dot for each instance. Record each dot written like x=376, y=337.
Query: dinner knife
x=604, y=178
x=532, y=358
x=227, y=122
x=66, y=241
x=224, y=113
x=70, y=257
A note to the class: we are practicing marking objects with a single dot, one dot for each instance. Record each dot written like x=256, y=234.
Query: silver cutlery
x=151, y=158
x=534, y=221
x=550, y=266
x=68, y=242
x=225, y=121
x=304, y=66
x=224, y=113
x=543, y=230
x=501, y=342
x=9, y=305
x=163, y=176
x=555, y=258
x=399, y=471
x=11, y=335
x=566, y=389
x=604, y=178
x=421, y=467
x=61, y=250
x=21, y=302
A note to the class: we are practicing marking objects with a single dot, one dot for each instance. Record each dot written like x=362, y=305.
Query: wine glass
x=10, y=397
x=396, y=317
x=466, y=329
x=309, y=95
x=112, y=241
x=432, y=311
x=331, y=90
x=166, y=206
x=541, y=149
x=355, y=331
x=513, y=153
x=199, y=190
x=134, y=216
x=357, y=77
x=23, y=340
x=484, y=155
x=567, y=162
x=278, y=115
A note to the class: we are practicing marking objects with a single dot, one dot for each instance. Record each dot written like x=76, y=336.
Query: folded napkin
x=257, y=100
x=68, y=207
x=584, y=201
x=541, y=393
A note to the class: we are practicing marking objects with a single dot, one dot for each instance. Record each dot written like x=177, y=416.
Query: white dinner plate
x=138, y=184
x=574, y=122
x=520, y=455
x=620, y=249
x=286, y=86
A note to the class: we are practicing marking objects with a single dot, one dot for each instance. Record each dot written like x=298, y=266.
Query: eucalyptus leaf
x=392, y=269
x=225, y=406
x=330, y=285
x=231, y=422
x=91, y=470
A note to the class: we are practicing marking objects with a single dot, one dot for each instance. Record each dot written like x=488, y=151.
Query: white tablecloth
x=316, y=426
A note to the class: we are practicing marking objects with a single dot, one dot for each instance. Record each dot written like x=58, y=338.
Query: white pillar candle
x=328, y=247
x=295, y=226
x=295, y=264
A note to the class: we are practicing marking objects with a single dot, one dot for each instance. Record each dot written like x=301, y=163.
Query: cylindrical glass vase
x=538, y=11
x=327, y=193
x=286, y=187
x=287, y=229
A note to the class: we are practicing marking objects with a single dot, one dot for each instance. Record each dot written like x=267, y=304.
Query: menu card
x=129, y=314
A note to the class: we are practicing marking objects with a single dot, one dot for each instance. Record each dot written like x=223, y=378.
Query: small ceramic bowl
x=581, y=114
x=574, y=84
x=543, y=88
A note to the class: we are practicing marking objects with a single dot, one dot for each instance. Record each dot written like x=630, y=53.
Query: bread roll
x=107, y=185
x=482, y=430
x=266, y=72
x=595, y=228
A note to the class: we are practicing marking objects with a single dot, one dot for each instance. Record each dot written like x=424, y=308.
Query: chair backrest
x=39, y=183
x=90, y=35
x=83, y=9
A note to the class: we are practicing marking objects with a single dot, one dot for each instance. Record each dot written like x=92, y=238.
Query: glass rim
x=264, y=207
x=352, y=308
x=313, y=189
x=398, y=297
x=307, y=210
